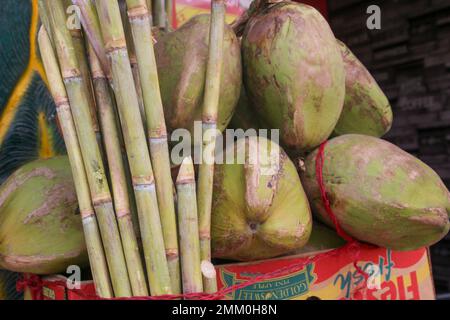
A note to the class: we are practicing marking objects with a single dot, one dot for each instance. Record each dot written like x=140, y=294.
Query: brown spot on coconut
x=294, y=73
x=378, y=200
x=259, y=209
x=40, y=227
x=366, y=108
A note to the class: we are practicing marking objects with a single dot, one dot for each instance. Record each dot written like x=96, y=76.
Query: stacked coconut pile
x=122, y=88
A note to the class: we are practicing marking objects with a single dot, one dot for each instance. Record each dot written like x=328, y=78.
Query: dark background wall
x=410, y=58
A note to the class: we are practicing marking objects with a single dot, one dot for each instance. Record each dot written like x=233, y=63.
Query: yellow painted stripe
x=34, y=65
x=45, y=138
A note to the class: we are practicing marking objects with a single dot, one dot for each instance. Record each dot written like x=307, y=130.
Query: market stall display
x=152, y=226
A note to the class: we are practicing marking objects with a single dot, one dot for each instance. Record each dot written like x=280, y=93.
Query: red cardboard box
x=394, y=276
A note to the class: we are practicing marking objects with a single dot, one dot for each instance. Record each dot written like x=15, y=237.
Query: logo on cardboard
x=279, y=288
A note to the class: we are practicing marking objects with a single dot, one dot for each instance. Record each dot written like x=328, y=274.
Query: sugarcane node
x=101, y=200
x=143, y=186
x=61, y=102
x=76, y=79
x=205, y=235
x=68, y=74
x=143, y=181
x=172, y=254
x=76, y=33
x=87, y=214
x=158, y=134
x=139, y=13
x=185, y=180
x=115, y=46
x=98, y=75
x=123, y=213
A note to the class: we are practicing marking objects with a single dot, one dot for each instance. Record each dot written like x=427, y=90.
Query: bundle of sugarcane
x=104, y=80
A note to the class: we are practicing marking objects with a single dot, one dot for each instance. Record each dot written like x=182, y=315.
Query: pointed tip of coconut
x=186, y=173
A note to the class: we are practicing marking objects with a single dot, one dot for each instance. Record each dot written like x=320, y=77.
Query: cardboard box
x=395, y=276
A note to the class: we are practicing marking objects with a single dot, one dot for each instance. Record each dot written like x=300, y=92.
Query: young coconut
x=259, y=209
x=244, y=116
x=294, y=73
x=182, y=57
x=322, y=238
x=366, y=108
x=40, y=226
x=379, y=193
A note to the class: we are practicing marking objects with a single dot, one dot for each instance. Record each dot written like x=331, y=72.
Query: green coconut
x=40, y=226
x=293, y=73
x=379, y=193
x=259, y=209
x=366, y=108
x=182, y=57
x=245, y=117
x=322, y=238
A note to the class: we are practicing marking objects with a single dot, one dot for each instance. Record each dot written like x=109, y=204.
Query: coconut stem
x=188, y=225
x=90, y=150
x=209, y=119
x=136, y=145
x=94, y=246
x=157, y=134
x=118, y=177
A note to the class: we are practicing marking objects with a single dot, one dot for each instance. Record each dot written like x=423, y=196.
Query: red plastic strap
x=320, y=160
x=35, y=284
x=323, y=193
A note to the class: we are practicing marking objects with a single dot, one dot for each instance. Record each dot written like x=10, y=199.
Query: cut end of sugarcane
x=208, y=270
x=186, y=174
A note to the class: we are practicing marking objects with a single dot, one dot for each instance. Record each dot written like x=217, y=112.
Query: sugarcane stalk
x=156, y=132
x=159, y=14
x=188, y=228
x=90, y=150
x=117, y=173
x=169, y=14
x=94, y=245
x=150, y=9
x=91, y=26
x=80, y=52
x=209, y=125
x=44, y=19
x=133, y=59
x=136, y=147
